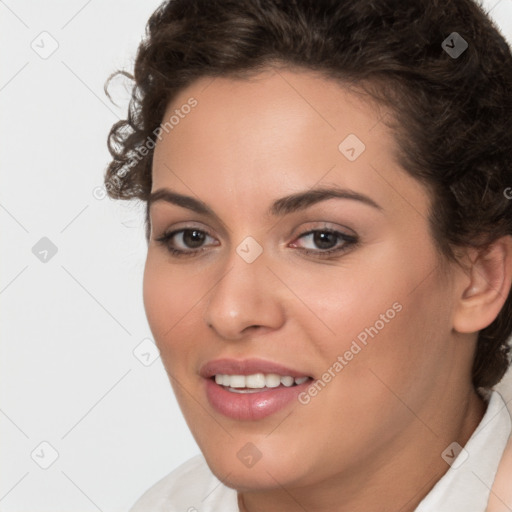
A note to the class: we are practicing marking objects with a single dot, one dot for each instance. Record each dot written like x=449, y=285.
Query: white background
x=70, y=325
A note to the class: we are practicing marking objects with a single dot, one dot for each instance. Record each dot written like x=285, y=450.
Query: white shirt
x=465, y=487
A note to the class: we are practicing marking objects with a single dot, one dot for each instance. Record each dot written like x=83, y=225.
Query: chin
x=253, y=479
x=271, y=471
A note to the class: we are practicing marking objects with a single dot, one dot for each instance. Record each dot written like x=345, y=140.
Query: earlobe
x=486, y=286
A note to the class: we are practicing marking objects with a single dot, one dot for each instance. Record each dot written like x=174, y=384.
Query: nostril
x=251, y=327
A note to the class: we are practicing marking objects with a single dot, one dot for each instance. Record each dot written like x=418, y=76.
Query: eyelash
x=349, y=241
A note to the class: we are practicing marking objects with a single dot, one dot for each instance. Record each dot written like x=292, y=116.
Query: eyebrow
x=283, y=206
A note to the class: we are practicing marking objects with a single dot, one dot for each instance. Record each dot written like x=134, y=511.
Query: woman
x=329, y=249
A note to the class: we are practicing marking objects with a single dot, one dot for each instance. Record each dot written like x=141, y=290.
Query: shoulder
x=500, y=498
x=188, y=488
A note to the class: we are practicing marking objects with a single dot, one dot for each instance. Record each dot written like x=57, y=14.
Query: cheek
x=390, y=315
x=397, y=351
x=386, y=360
x=157, y=298
x=169, y=296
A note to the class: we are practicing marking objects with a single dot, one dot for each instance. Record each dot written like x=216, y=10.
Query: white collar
x=467, y=483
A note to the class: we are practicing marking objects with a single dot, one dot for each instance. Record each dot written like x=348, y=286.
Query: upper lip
x=246, y=367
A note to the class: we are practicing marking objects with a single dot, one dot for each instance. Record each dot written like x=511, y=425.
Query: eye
x=192, y=241
x=183, y=242
x=324, y=242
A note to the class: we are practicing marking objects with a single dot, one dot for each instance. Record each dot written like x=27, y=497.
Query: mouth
x=251, y=389
x=256, y=382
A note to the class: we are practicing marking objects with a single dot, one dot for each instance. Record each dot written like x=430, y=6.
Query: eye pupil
x=193, y=238
x=324, y=239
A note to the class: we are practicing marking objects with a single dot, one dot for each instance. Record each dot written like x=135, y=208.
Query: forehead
x=278, y=103
x=280, y=130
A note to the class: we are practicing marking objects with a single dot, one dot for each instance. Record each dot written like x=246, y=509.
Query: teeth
x=237, y=381
x=272, y=380
x=258, y=380
x=255, y=381
x=287, y=381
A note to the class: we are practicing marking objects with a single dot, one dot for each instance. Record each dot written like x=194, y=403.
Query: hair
x=451, y=114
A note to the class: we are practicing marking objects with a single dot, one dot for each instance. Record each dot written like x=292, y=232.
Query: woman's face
x=344, y=287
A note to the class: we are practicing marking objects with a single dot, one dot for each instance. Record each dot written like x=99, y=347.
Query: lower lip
x=251, y=406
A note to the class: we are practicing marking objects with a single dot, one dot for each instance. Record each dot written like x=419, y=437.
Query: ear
x=484, y=287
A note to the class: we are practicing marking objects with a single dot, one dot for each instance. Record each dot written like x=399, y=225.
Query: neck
x=397, y=479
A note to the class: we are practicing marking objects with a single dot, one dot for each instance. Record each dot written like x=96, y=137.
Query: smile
x=256, y=382
x=251, y=389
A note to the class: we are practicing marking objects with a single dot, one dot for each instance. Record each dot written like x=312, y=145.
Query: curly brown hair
x=452, y=110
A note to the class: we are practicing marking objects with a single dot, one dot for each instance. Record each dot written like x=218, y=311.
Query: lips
x=246, y=367
x=257, y=404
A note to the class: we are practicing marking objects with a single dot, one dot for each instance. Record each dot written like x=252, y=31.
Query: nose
x=244, y=300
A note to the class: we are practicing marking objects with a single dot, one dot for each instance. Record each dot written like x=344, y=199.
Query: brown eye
x=193, y=238
x=324, y=242
x=325, y=239
x=185, y=242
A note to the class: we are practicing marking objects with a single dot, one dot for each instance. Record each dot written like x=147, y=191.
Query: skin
x=383, y=421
